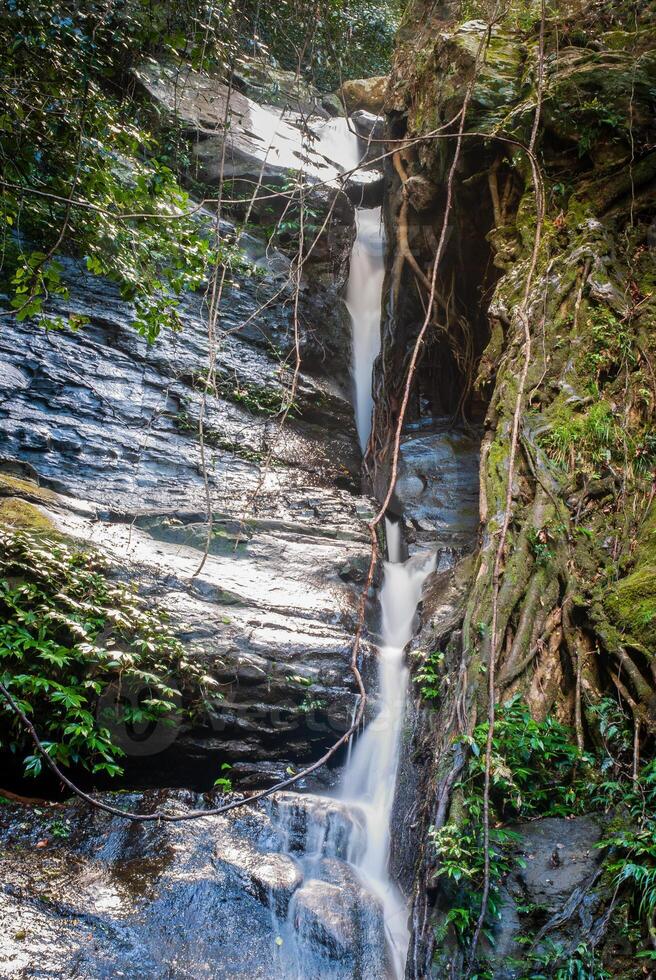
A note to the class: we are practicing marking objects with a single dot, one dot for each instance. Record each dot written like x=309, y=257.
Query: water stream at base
x=369, y=780
x=341, y=844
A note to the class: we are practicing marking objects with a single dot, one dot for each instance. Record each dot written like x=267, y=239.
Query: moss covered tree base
x=572, y=539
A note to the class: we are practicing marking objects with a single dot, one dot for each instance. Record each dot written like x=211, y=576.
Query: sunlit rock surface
x=365, y=93
x=111, y=424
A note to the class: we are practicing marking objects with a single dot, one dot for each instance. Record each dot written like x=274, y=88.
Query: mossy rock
x=631, y=604
x=14, y=486
x=15, y=512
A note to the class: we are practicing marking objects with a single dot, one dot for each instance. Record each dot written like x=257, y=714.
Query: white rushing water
x=351, y=831
x=363, y=299
x=353, y=828
x=370, y=777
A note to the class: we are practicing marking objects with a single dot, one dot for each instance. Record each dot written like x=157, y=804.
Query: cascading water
x=370, y=778
x=341, y=844
x=363, y=300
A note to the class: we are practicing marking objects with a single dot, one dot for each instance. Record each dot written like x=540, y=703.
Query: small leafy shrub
x=632, y=843
x=224, y=783
x=461, y=856
x=539, y=541
x=553, y=961
x=70, y=639
x=428, y=676
x=612, y=342
x=585, y=441
x=598, y=121
x=532, y=772
x=532, y=765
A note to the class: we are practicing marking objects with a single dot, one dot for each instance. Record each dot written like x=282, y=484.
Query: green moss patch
x=15, y=512
x=631, y=604
x=13, y=486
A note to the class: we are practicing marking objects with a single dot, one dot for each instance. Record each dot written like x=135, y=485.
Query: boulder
x=366, y=188
x=365, y=93
x=371, y=130
x=333, y=105
x=340, y=925
x=368, y=125
x=318, y=825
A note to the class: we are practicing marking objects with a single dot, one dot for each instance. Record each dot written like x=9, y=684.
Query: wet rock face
x=287, y=139
x=558, y=891
x=111, y=425
x=263, y=139
x=204, y=899
x=437, y=487
x=267, y=84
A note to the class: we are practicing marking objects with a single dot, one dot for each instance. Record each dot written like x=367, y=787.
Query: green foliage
x=429, y=678
x=612, y=344
x=310, y=704
x=532, y=773
x=71, y=640
x=224, y=783
x=60, y=829
x=258, y=399
x=553, y=961
x=592, y=433
x=536, y=771
x=539, y=541
x=632, y=841
x=461, y=862
x=585, y=440
x=598, y=121
x=532, y=765
x=330, y=41
x=76, y=163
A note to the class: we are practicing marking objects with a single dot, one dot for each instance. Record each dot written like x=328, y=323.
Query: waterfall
x=340, y=844
x=369, y=779
x=363, y=300
x=394, y=540
x=341, y=840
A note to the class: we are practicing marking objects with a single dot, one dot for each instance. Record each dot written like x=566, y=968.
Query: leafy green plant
x=310, y=704
x=428, y=676
x=538, y=540
x=533, y=764
x=71, y=640
x=224, y=783
x=60, y=828
x=83, y=176
x=533, y=771
x=612, y=342
x=553, y=961
x=585, y=440
x=597, y=120
x=341, y=39
x=632, y=841
x=459, y=849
